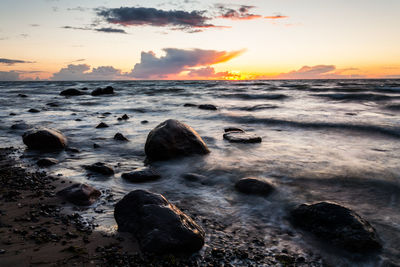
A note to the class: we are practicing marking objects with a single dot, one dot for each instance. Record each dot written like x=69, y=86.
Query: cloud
x=319, y=72
x=12, y=61
x=84, y=72
x=142, y=16
x=34, y=25
x=9, y=76
x=276, y=17
x=110, y=30
x=242, y=13
x=177, y=60
x=104, y=29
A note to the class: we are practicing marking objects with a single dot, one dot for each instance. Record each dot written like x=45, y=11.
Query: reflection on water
x=322, y=140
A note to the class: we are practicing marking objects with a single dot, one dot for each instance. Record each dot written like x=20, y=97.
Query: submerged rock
x=242, y=137
x=20, y=126
x=44, y=139
x=71, y=92
x=207, y=107
x=45, y=162
x=233, y=129
x=159, y=226
x=22, y=95
x=189, y=105
x=100, y=167
x=120, y=137
x=172, y=139
x=144, y=122
x=141, y=175
x=103, y=91
x=337, y=224
x=252, y=185
x=102, y=125
x=80, y=194
x=33, y=110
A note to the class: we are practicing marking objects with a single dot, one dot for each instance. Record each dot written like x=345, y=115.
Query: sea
x=322, y=140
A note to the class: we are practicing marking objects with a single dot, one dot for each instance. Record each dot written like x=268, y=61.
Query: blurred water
x=322, y=140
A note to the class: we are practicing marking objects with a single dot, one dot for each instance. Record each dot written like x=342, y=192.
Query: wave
x=256, y=107
x=357, y=97
x=255, y=96
x=372, y=129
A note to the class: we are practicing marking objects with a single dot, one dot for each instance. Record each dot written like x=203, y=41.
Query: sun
x=236, y=75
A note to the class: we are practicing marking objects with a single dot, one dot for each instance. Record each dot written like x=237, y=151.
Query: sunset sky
x=189, y=39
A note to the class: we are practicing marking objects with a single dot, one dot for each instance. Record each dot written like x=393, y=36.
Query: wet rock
x=53, y=104
x=102, y=125
x=159, y=226
x=103, y=91
x=72, y=149
x=120, y=137
x=71, y=92
x=233, y=129
x=125, y=117
x=194, y=177
x=100, y=167
x=22, y=95
x=80, y=194
x=33, y=110
x=95, y=145
x=44, y=139
x=141, y=175
x=45, y=162
x=242, y=137
x=338, y=225
x=12, y=114
x=207, y=107
x=144, y=122
x=252, y=185
x=189, y=105
x=172, y=139
x=20, y=126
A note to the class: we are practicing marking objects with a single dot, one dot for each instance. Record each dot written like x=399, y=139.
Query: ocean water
x=323, y=140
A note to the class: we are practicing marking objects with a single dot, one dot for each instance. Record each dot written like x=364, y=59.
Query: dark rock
x=34, y=110
x=159, y=226
x=71, y=92
x=338, y=225
x=85, y=89
x=251, y=185
x=144, y=122
x=172, y=139
x=242, y=137
x=125, y=117
x=78, y=119
x=198, y=178
x=22, y=95
x=45, y=162
x=20, y=126
x=95, y=145
x=207, y=107
x=120, y=137
x=80, y=194
x=233, y=129
x=141, y=175
x=189, y=105
x=53, y=104
x=44, y=139
x=72, y=149
x=103, y=91
x=100, y=167
x=102, y=125
x=12, y=114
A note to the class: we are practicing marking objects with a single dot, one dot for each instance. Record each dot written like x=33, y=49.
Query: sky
x=190, y=39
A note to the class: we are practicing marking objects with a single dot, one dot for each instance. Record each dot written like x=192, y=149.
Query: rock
x=233, y=129
x=144, y=122
x=338, y=225
x=159, y=226
x=71, y=92
x=252, y=185
x=193, y=177
x=80, y=194
x=120, y=137
x=141, y=175
x=125, y=117
x=242, y=137
x=12, y=114
x=20, y=126
x=22, y=95
x=102, y=125
x=53, y=104
x=45, y=162
x=189, y=105
x=95, y=145
x=44, y=139
x=172, y=139
x=100, y=167
x=72, y=149
x=33, y=110
x=103, y=91
x=207, y=107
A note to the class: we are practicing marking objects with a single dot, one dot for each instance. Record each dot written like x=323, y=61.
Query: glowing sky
x=189, y=39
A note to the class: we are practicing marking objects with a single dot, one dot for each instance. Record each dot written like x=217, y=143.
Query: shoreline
x=39, y=229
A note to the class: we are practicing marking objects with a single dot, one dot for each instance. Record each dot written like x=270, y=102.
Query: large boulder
x=103, y=91
x=337, y=224
x=80, y=194
x=100, y=167
x=159, y=226
x=71, y=92
x=252, y=185
x=44, y=139
x=172, y=139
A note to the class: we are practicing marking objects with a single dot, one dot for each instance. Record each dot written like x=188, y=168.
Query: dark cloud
x=138, y=16
x=177, y=60
x=78, y=8
x=83, y=72
x=9, y=76
x=12, y=61
x=242, y=13
x=318, y=72
x=110, y=30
